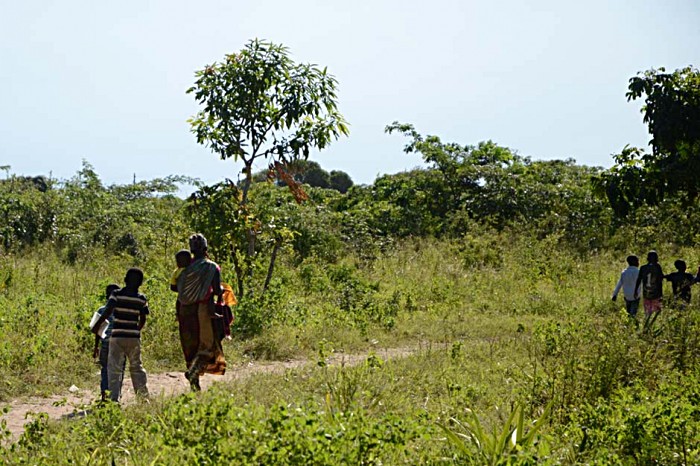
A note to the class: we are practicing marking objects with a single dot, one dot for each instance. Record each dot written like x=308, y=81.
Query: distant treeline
x=463, y=190
x=643, y=199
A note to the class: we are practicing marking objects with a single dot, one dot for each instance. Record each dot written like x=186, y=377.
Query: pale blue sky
x=106, y=81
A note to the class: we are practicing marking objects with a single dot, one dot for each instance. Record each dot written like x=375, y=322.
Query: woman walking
x=197, y=286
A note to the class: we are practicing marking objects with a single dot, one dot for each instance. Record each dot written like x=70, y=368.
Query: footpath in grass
x=380, y=407
x=20, y=412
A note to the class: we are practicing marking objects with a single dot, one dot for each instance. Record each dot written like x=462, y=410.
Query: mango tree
x=258, y=104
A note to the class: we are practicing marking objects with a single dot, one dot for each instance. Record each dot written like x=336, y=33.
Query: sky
x=105, y=81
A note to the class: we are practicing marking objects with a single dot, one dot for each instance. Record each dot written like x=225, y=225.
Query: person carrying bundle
x=198, y=291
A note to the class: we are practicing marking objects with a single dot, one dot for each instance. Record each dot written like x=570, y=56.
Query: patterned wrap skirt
x=199, y=342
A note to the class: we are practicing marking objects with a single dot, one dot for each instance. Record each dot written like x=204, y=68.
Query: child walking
x=102, y=344
x=628, y=284
x=130, y=309
x=651, y=278
x=681, y=281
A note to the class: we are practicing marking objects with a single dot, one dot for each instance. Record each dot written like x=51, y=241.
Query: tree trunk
x=250, y=233
x=271, y=268
x=239, y=271
x=248, y=171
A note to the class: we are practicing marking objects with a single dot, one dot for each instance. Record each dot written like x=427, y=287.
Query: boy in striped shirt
x=130, y=309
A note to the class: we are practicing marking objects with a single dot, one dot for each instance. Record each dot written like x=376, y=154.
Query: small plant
x=481, y=446
x=456, y=351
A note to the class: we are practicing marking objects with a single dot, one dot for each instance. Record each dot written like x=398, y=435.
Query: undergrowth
x=519, y=357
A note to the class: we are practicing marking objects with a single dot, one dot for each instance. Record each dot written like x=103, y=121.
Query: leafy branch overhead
x=672, y=113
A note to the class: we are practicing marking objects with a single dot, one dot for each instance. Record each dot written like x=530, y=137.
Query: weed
x=513, y=440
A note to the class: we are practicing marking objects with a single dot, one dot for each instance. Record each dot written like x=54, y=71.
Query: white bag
x=103, y=328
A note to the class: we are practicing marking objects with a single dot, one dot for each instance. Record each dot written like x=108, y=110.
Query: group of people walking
x=200, y=296
x=647, y=282
x=118, y=326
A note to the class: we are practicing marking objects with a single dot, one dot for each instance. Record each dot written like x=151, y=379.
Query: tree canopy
x=260, y=104
x=672, y=113
x=672, y=170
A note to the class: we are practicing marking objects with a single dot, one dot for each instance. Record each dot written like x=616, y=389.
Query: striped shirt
x=127, y=308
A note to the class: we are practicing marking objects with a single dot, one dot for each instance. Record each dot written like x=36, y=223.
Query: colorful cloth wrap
x=194, y=283
x=201, y=348
x=200, y=345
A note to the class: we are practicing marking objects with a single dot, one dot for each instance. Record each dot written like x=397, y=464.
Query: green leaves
x=498, y=445
x=488, y=183
x=627, y=185
x=672, y=113
x=260, y=103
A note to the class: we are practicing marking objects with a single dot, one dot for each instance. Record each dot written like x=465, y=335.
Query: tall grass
x=422, y=290
x=502, y=329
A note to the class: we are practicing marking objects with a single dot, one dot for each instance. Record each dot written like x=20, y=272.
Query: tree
x=467, y=171
x=485, y=183
x=627, y=185
x=672, y=113
x=259, y=104
x=340, y=181
x=28, y=210
x=311, y=173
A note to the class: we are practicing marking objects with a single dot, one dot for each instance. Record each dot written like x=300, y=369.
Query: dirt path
x=163, y=384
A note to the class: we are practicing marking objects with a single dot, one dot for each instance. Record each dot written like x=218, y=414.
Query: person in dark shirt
x=130, y=309
x=651, y=278
x=681, y=281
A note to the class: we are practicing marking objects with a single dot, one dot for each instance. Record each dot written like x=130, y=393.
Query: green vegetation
x=672, y=113
x=531, y=336
x=258, y=104
x=490, y=271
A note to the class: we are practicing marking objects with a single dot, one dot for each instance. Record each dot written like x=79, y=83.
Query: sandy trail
x=165, y=384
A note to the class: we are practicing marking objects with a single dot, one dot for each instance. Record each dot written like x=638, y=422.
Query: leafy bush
x=640, y=426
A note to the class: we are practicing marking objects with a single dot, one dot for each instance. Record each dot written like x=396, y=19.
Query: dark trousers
x=632, y=307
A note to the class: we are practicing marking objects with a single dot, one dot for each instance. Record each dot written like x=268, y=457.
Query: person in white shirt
x=628, y=282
